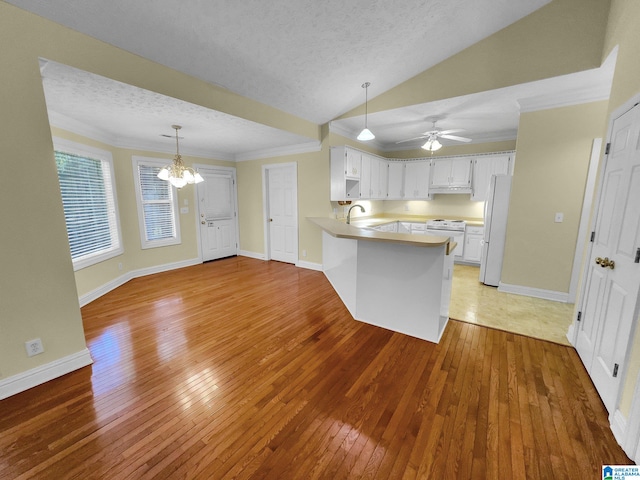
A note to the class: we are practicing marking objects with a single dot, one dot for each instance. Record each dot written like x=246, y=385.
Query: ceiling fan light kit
x=432, y=144
x=365, y=134
x=177, y=174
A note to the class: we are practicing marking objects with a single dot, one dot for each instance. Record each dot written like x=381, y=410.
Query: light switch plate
x=559, y=217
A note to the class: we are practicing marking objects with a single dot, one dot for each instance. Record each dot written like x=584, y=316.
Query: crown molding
x=306, y=147
x=577, y=96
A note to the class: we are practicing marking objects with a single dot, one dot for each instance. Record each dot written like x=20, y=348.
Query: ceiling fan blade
x=457, y=139
x=412, y=139
x=447, y=132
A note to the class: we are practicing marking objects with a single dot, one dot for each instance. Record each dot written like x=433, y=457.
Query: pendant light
x=177, y=174
x=366, y=134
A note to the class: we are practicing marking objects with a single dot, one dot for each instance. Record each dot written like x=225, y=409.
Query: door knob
x=605, y=262
x=203, y=222
x=271, y=219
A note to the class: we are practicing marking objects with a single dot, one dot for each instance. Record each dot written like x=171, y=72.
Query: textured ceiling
x=305, y=57
x=308, y=58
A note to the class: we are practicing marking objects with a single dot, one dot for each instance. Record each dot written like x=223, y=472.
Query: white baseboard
x=257, y=256
x=618, y=424
x=534, y=292
x=122, y=279
x=309, y=265
x=39, y=375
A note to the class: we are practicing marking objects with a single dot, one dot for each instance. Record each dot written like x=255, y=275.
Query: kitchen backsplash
x=445, y=206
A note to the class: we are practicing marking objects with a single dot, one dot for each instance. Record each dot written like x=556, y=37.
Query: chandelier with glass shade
x=176, y=173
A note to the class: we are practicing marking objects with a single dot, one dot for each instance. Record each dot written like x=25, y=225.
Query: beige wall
x=623, y=30
x=134, y=256
x=553, y=153
x=562, y=37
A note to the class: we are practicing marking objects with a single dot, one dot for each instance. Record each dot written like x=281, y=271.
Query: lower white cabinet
x=473, y=244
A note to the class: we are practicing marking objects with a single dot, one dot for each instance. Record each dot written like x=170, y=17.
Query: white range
x=449, y=228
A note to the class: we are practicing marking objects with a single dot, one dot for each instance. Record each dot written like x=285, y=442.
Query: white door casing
x=610, y=301
x=217, y=213
x=280, y=186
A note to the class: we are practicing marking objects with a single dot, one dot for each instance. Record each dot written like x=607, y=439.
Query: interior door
x=217, y=214
x=281, y=184
x=610, y=300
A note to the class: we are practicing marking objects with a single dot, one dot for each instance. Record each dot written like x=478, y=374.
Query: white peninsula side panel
x=398, y=285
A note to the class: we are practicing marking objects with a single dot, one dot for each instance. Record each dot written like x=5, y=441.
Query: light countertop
x=339, y=229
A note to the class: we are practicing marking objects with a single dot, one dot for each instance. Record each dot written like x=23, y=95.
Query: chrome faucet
x=349, y=212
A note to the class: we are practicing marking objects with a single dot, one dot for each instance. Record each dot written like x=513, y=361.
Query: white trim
x=534, y=292
x=136, y=161
x=105, y=157
x=121, y=280
x=309, y=265
x=59, y=120
x=618, y=425
x=265, y=206
x=256, y=255
x=44, y=373
x=307, y=147
x=216, y=169
x=630, y=440
x=581, y=243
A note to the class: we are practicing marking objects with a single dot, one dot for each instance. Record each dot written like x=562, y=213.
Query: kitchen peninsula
x=397, y=281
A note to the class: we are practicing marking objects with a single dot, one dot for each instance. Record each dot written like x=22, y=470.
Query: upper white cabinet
x=483, y=168
x=395, y=180
x=373, y=177
x=416, y=179
x=346, y=164
x=451, y=175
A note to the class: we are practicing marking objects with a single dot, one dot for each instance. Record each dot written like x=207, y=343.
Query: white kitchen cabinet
x=345, y=173
x=373, y=177
x=416, y=179
x=451, y=175
x=395, y=180
x=378, y=177
x=473, y=244
x=483, y=168
x=366, y=166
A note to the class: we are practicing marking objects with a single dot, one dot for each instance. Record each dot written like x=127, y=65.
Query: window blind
x=157, y=204
x=89, y=207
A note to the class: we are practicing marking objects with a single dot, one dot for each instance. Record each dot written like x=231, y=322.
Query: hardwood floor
x=247, y=369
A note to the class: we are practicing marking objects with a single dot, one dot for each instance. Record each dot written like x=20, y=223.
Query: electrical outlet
x=304, y=253
x=34, y=347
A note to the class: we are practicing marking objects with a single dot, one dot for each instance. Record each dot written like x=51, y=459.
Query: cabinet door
x=473, y=248
x=366, y=169
x=460, y=172
x=416, y=179
x=396, y=177
x=440, y=172
x=352, y=163
x=483, y=168
x=383, y=172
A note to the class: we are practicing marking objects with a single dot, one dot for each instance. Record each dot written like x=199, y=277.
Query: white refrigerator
x=496, y=208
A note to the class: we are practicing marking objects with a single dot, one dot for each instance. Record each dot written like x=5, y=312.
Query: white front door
x=613, y=279
x=282, y=212
x=217, y=213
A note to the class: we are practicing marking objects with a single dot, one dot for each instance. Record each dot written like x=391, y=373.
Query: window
x=87, y=187
x=157, y=204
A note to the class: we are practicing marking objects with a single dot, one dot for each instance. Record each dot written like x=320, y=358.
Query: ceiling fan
x=432, y=144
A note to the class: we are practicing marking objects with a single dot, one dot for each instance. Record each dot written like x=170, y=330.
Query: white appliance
x=496, y=208
x=449, y=228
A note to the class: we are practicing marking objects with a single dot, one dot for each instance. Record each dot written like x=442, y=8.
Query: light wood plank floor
x=247, y=369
